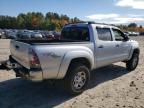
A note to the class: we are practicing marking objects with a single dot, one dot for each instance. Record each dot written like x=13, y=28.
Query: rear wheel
x=133, y=62
x=77, y=78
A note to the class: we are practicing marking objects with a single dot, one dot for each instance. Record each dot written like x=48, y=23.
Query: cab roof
x=92, y=23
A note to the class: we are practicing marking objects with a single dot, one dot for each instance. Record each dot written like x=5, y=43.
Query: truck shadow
x=107, y=73
x=24, y=94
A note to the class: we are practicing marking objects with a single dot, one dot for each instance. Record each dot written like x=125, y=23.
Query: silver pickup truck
x=82, y=48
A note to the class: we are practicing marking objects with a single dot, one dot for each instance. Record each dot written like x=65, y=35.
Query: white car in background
x=133, y=33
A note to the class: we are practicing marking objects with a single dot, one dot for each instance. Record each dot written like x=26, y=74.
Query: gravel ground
x=110, y=87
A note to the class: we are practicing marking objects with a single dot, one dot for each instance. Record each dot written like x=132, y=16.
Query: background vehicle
x=36, y=35
x=12, y=34
x=82, y=48
x=141, y=33
x=133, y=33
x=29, y=35
x=0, y=33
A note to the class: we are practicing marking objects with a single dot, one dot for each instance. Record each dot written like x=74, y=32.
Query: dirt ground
x=110, y=87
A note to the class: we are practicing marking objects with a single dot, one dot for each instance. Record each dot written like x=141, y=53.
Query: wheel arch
x=81, y=60
x=135, y=50
x=83, y=57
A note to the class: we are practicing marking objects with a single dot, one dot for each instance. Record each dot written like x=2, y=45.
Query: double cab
x=81, y=48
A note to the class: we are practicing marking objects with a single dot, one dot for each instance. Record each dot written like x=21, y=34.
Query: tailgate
x=20, y=52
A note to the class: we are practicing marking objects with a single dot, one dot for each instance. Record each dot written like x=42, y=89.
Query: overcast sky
x=104, y=11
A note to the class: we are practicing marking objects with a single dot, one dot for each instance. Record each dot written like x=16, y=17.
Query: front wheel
x=133, y=62
x=77, y=78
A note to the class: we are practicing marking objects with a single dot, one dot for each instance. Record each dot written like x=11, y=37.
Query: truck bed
x=20, y=48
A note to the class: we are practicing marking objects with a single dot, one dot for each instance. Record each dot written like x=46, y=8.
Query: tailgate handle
x=17, y=47
x=101, y=46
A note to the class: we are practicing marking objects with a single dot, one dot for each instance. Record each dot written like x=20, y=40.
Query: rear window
x=75, y=34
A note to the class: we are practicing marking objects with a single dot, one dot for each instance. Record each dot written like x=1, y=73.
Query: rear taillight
x=34, y=61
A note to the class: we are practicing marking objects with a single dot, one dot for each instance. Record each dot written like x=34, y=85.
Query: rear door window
x=104, y=34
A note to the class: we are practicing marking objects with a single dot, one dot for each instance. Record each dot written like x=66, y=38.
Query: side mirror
x=126, y=37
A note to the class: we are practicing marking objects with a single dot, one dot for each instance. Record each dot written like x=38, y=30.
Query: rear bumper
x=30, y=74
x=36, y=75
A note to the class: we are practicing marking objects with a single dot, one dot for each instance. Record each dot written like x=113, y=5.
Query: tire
x=133, y=62
x=77, y=78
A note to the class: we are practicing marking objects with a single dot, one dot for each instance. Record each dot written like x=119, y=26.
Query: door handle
x=17, y=47
x=101, y=46
x=117, y=45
